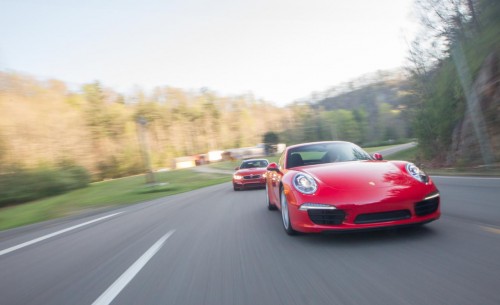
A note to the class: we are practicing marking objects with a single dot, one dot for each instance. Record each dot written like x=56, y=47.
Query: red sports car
x=337, y=186
x=251, y=173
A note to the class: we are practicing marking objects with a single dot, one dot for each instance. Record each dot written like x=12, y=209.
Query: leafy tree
x=270, y=139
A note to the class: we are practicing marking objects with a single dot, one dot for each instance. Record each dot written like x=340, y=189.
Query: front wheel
x=285, y=216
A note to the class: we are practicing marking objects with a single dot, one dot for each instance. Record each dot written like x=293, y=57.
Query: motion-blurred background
x=443, y=90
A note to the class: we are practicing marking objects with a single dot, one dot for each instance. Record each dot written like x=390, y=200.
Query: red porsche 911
x=337, y=186
x=250, y=174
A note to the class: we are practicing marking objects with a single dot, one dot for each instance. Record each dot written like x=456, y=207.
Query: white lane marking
x=109, y=295
x=33, y=241
x=490, y=229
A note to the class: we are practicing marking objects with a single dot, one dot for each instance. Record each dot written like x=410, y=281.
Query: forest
x=69, y=137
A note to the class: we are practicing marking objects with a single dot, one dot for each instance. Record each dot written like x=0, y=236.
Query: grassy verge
x=409, y=154
x=105, y=194
x=377, y=148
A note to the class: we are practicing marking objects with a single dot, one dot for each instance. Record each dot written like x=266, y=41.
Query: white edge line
x=39, y=239
x=110, y=294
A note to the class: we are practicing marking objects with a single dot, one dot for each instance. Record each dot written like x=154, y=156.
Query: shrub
x=19, y=185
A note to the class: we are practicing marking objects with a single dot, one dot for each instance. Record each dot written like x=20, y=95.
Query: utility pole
x=144, y=144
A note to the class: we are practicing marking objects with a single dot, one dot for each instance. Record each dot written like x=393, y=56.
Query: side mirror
x=378, y=156
x=273, y=167
x=236, y=168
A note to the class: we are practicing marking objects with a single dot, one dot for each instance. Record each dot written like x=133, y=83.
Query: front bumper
x=250, y=183
x=386, y=213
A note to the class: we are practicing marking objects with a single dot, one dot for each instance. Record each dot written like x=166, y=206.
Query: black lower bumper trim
x=360, y=230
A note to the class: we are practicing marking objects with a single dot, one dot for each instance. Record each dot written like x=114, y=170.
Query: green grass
x=377, y=148
x=409, y=154
x=105, y=194
x=226, y=165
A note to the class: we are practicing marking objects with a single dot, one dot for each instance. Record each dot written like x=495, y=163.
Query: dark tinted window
x=254, y=164
x=325, y=153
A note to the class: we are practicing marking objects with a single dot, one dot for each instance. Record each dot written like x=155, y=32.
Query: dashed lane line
x=110, y=294
x=490, y=229
x=39, y=239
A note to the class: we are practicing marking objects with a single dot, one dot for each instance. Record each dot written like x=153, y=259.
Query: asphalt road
x=217, y=246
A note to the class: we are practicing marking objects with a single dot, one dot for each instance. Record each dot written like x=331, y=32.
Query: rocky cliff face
x=476, y=138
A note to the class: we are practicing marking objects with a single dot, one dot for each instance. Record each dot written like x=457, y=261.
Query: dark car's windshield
x=325, y=153
x=254, y=164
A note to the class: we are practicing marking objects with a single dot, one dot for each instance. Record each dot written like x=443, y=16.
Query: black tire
x=285, y=215
x=235, y=188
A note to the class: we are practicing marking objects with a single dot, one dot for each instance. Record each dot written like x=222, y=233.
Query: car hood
x=360, y=175
x=251, y=171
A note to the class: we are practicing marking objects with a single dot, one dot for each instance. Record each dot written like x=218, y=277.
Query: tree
x=270, y=140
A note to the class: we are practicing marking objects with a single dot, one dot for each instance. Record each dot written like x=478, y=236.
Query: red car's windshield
x=325, y=153
x=254, y=164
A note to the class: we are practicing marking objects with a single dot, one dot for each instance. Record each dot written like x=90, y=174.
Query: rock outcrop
x=476, y=138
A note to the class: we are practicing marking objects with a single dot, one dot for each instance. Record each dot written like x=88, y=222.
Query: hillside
x=456, y=103
x=392, y=88
x=367, y=110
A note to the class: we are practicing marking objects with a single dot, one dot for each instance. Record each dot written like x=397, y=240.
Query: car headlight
x=417, y=173
x=237, y=177
x=304, y=183
x=316, y=206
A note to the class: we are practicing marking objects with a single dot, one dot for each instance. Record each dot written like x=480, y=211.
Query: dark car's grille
x=426, y=207
x=248, y=177
x=326, y=217
x=383, y=216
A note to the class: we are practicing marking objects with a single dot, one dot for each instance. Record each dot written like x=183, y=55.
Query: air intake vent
x=382, y=217
x=326, y=217
x=426, y=207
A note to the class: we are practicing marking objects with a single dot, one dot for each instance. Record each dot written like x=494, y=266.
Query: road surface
x=217, y=246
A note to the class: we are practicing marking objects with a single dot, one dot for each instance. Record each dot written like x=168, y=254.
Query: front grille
x=248, y=177
x=252, y=184
x=383, y=216
x=426, y=207
x=326, y=217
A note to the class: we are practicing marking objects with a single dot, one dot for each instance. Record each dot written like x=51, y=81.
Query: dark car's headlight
x=417, y=173
x=237, y=177
x=304, y=183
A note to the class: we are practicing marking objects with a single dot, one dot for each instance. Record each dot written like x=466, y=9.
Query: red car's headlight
x=417, y=173
x=304, y=183
x=316, y=206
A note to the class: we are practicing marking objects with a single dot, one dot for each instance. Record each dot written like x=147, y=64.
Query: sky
x=278, y=50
